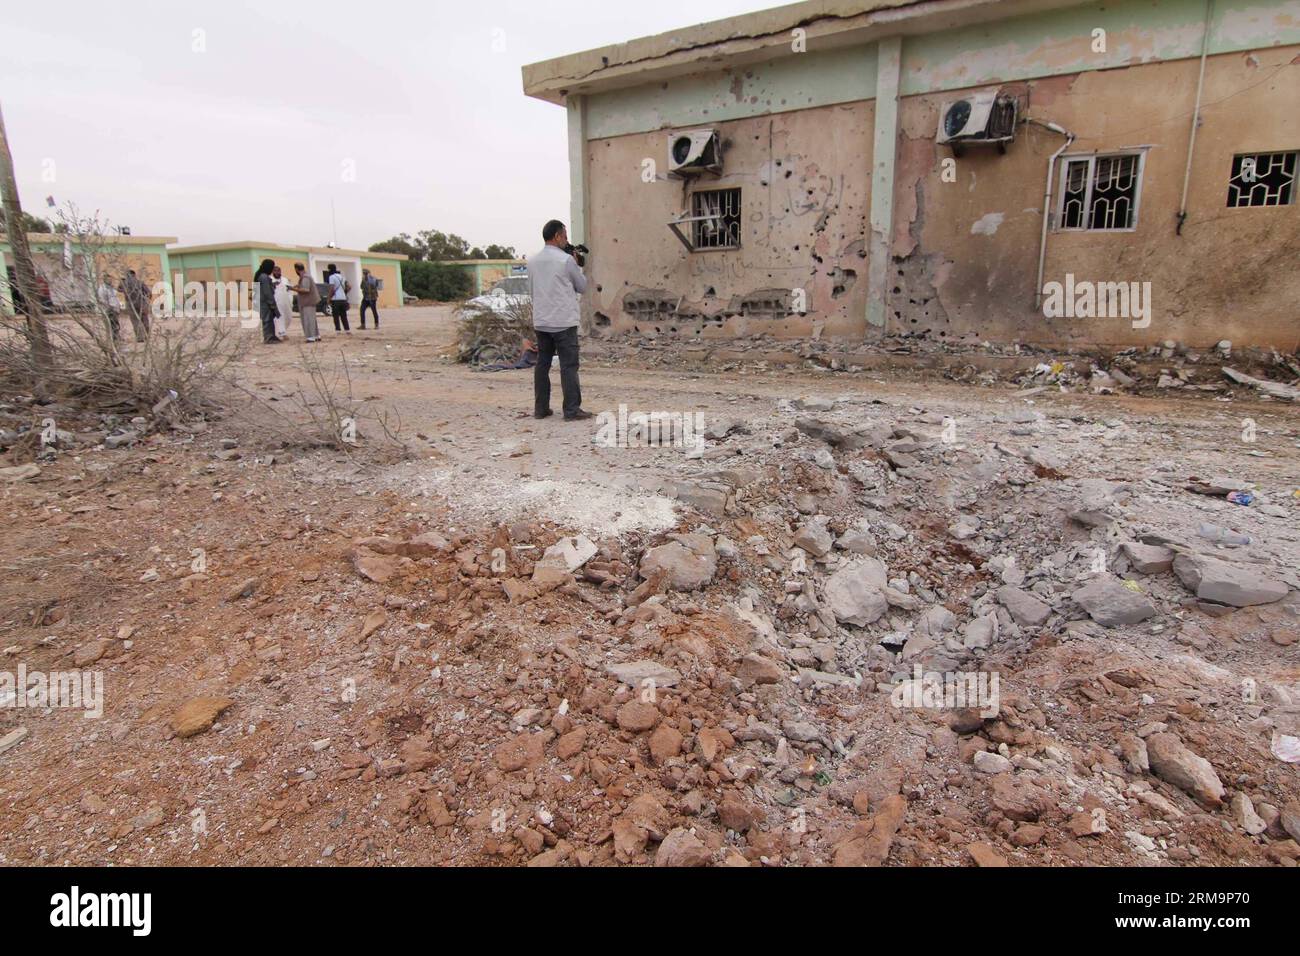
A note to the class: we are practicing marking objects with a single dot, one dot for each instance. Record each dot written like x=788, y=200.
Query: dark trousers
x=371, y=306
x=565, y=345
x=268, y=322
x=340, y=309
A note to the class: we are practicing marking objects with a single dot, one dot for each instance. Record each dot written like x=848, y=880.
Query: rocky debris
x=635, y=673
x=637, y=716
x=756, y=669
x=687, y=563
x=985, y=856
x=1148, y=558
x=992, y=763
x=1289, y=817
x=12, y=739
x=569, y=554
x=813, y=538
x=1111, y=603
x=681, y=848
x=244, y=589
x=1244, y=810
x=1213, y=580
x=88, y=654
x=1174, y=763
x=855, y=593
x=199, y=714
x=374, y=566
x=523, y=751
x=665, y=743
x=18, y=473
x=376, y=619
x=1019, y=799
x=1025, y=609
x=871, y=839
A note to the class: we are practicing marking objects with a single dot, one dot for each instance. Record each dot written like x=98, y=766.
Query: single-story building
x=66, y=275
x=1044, y=171
x=238, y=261
x=486, y=272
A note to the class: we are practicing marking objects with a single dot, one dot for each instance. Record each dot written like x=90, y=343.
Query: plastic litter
x=1240, y=497
x=1223, y=536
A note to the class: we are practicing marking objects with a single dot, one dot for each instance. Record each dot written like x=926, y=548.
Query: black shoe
x=546, y=414
x=578, y=416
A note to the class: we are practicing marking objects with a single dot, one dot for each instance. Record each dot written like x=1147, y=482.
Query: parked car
x=505, y=295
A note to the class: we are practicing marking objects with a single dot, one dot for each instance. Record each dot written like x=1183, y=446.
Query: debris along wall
x=966, y=233
x=800, y=268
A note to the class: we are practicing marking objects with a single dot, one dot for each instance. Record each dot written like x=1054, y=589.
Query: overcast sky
x=251, y=137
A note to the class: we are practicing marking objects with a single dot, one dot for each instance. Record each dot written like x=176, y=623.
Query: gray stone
x=988, y=762
x=1025, y=609
x=1148, y=558
x=981, y=632
x=1111, y=604
x=813, y=538
x=855, y=593
x=1213, y=580
x=633, y=673
x=686, y=568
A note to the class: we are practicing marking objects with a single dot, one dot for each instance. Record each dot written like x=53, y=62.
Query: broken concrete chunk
x=569, y=553
x=813, y=538
x=1148, y=558
x=684, y=568
x=1111, y=604
x=855, y=593
x=634, y=673
x=1238, y=586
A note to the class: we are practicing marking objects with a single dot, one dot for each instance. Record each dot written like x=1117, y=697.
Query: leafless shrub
x=487, y=334
x=324, y=412
x=183, y=364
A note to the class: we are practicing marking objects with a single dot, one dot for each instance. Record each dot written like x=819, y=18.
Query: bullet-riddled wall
x=954, y=238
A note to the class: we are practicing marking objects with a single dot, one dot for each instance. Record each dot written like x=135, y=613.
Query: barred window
x=1100, y=192
x=1262, y=179
x=719, y=227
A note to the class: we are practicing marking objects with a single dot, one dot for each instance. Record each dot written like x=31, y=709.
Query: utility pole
x=38, y=335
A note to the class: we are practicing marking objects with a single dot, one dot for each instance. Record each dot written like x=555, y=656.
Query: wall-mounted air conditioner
x=979, y=119
x=694, y=153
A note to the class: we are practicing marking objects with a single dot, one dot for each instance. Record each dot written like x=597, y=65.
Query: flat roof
x=47, y=238
x=755, y=37
x=281, y=247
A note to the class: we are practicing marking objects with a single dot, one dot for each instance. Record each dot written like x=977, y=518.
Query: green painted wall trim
x=800, y=81
x=1051, y=43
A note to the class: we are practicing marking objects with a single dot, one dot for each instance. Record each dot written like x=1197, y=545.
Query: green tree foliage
x=438, y=281
x=401, y=245
x=500, y=252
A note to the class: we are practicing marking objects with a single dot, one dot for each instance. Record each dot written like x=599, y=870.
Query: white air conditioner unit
x=978, y=119
x=694, y=153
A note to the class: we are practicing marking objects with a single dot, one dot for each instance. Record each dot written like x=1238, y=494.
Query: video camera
x=579, y=253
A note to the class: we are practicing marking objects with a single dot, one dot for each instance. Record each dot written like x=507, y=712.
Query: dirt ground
x=312, y=657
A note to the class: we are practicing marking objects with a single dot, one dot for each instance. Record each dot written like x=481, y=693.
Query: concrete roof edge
x=46, y=237
x=764, y=34
x=281, y=247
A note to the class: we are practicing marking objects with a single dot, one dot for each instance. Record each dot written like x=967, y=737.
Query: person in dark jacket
x=266, y=301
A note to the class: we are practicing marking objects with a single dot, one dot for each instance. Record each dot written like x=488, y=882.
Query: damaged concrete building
x=1039, y=171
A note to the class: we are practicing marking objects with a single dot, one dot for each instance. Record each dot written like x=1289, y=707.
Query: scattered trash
x=1223, y=536
x=1240, y=497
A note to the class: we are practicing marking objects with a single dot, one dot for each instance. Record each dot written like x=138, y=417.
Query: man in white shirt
x=555, y=282
x=339, y=288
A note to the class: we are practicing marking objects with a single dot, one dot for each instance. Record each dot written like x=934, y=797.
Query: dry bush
x=324, y=413
x=184, y=364
x=485, y=336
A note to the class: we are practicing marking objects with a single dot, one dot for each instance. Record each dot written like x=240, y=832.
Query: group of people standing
x=275, y=295
x=136, y=296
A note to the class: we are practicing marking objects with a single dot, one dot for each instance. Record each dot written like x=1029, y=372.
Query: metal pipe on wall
x=1196, y=115
x=1047, y=204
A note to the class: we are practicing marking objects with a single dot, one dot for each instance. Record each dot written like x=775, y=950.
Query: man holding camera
x=556, y=281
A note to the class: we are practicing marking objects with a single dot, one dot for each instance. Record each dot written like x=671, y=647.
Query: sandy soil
x=455, y=713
